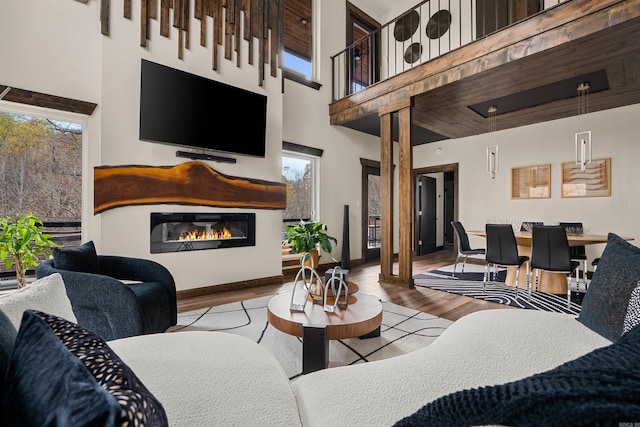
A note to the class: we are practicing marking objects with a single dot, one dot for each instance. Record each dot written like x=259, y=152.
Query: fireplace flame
x=206, y=234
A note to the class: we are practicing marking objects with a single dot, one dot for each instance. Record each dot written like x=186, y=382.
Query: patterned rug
x=497, y=291
x=403, y=330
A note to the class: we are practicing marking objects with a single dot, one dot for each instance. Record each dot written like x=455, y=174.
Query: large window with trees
x=41, y=172
x=299, y=174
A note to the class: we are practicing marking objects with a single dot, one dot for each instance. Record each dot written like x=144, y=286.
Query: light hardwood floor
x=442, y=304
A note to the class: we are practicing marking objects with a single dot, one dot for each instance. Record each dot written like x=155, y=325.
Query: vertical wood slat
x=105, y=6
x=186, y=7
x=275, y=37
x=243, y=20
x=386, y=195
x=217, y=32
x=144, y=22
x=248, y=25
x=178, y=9
x=152, y=10
x=238, y=31
x=229, y=28
x=164, y=17
x=405, y=196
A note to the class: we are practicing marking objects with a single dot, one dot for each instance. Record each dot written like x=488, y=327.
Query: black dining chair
x=578, y=253
x=502, y=251
x=528, y=225
x=464, y=248
x=550, y=252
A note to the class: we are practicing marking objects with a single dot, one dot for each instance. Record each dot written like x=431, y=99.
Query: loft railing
x=429, y=30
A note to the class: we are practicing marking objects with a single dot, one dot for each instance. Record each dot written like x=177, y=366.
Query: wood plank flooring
x=437, y=303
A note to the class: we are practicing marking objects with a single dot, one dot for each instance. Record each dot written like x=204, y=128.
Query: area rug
x=471, y=272
x=498, y=292
x=403, y=330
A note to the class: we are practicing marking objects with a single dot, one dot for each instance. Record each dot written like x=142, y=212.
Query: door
x=371, y=212
x=449, y=215
x=426, y=215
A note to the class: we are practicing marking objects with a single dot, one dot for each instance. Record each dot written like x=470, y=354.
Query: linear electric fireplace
x=177, y=232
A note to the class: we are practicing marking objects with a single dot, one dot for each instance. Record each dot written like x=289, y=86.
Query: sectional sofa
x=505, y=367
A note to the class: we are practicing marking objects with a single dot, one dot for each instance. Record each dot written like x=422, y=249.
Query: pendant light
x=583, y=138
x=492, y=152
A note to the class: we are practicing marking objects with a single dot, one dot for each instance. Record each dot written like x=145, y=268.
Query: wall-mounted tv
x=184, y=109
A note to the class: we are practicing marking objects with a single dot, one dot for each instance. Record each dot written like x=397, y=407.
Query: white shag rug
x=403, y=330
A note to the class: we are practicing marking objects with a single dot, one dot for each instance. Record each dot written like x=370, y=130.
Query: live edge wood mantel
x=190, y=183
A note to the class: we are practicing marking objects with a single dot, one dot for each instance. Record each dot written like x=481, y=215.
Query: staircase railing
x=425, y=32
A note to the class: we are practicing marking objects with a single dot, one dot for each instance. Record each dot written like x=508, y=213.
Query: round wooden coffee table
x=362, y=318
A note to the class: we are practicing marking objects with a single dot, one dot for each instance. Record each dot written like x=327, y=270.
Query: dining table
x=555, y=283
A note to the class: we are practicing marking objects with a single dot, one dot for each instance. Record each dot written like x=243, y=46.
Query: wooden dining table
x=555, y=283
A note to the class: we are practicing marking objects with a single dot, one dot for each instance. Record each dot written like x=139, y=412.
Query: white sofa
x=214, y=378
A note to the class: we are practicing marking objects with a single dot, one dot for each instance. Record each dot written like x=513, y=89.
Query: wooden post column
x=386, y=196
x=405, y=194
x=406, y=199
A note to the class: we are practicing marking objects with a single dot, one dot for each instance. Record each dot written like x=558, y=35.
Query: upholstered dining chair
x=502, y=251
x=578, y=253
x=550, y=252
x=464, y=248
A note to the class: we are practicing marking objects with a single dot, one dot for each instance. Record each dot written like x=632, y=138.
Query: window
x=40, y=167
x=41, y=172
x=300, y=175
x=298, y=37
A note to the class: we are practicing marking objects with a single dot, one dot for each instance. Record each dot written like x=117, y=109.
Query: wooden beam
x=190, y=183
x=386, y=195
x=406, y=199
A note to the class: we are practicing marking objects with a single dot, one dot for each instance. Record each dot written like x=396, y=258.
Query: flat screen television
x=187, y=110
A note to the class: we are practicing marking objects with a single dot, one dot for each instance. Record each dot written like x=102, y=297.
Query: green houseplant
x=307, y=237
x=22, y=243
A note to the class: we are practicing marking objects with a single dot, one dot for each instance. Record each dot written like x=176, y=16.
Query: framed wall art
x=531, y=182
x=594, y=181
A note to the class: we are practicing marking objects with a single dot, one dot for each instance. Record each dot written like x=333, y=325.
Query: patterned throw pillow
x=632, y=319
x=62, y=374
x=139, y=406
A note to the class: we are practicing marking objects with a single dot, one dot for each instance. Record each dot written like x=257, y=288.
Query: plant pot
x=314, y=257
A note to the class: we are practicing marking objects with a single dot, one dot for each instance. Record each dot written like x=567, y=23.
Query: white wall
x=481, y=199
x=55, y=47
x=306, y=122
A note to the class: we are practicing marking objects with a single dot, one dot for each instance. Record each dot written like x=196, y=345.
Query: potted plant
x=22, y=243
x=307, y=237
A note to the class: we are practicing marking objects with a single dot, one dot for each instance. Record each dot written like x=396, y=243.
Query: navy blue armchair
x=115, y=296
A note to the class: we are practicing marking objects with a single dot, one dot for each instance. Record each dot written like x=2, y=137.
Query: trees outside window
x=299, y=174
x=41, y=173
x=40, y=167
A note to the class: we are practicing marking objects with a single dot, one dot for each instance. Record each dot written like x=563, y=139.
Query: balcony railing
x=429, y=30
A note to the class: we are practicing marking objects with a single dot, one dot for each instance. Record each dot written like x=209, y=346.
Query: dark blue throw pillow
x=597, y=389
x=8, y=335
x=604, y=306
x=61, y=374
x=81, y=258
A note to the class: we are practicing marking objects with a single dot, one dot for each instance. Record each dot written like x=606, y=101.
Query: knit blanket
x=599, y=388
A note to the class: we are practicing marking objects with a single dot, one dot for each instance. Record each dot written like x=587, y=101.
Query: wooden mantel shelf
x=190, y=183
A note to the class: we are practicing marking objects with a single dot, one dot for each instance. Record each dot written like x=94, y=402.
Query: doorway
x=436, y=206
x=371, y=210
